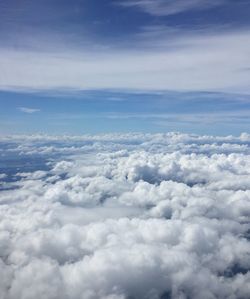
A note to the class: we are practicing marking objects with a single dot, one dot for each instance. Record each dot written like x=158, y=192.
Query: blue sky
x=89, y=66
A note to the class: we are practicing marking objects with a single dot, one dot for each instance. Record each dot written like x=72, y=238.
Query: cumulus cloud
x=127, y=216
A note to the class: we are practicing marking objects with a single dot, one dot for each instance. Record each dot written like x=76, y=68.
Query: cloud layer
x=171, y=60
x=126, y=216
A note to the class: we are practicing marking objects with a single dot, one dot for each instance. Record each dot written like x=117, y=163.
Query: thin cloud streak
x=241, y=116
x=212, y=62
x=28, y=110
x=169, y=7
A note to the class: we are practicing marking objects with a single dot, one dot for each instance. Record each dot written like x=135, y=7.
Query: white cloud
x=2, y=176
x=133, y=215
x=183, y=61
x=28, y=110
x=170, y=7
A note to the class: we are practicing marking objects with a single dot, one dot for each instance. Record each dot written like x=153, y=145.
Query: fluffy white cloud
x=127, y=216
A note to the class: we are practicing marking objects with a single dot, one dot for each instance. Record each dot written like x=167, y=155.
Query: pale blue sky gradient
x=103, y=66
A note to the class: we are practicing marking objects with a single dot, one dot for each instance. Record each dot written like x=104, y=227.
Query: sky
x=124, y=149
x=88, y=66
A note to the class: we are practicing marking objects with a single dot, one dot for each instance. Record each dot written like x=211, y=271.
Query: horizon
x=125, y=149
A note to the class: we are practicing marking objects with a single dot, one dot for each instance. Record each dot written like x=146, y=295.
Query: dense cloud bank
x=125, y=217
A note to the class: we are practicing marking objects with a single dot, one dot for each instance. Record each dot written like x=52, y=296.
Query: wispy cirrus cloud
x=28, y=110
x=170, y=7
x=200, y=61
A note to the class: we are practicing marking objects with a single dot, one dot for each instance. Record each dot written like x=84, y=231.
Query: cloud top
x=126, y=216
